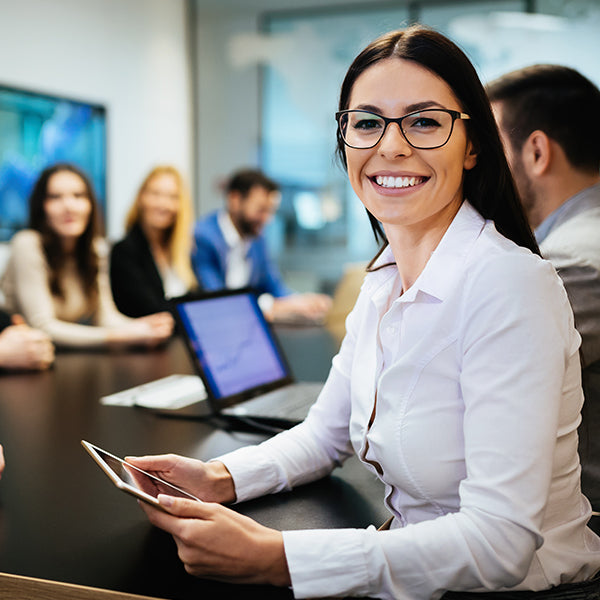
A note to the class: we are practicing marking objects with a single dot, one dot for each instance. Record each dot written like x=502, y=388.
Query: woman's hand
x=217, y=543
x=1, y=460
x=309, y=306
x=159, y=327
x=22, y=347
x=151, y=330
x=211, y=481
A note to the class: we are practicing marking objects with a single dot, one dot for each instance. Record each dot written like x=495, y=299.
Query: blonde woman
x=152, y=263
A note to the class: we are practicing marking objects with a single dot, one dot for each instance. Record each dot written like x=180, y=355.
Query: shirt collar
x=228, y=229
x=439, y=275
x=575, y=204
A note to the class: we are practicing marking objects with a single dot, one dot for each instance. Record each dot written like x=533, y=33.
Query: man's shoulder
x=576, y=238
x=581, y=224
x=209, y=219
x=208, y=225
x=208, y=235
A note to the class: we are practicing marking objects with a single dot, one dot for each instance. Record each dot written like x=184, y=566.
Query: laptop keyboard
x=290, y=403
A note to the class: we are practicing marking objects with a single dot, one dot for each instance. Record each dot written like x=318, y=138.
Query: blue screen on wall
x=37, y=130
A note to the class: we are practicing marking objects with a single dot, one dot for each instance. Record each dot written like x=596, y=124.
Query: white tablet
x=132, y=480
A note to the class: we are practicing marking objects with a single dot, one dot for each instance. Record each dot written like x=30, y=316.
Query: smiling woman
x=477, y=447
x=57, y=275
x=410, y=179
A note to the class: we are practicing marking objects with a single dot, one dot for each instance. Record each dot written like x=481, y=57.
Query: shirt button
x=392, y=330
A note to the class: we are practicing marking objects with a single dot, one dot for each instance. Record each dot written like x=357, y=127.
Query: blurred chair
x=344, y=298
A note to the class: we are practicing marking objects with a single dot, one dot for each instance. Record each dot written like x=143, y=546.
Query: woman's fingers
x=156, y=463
x=174, y=512
x=184, y=508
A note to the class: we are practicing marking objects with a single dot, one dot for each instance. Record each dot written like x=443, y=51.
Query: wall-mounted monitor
x=36, y=131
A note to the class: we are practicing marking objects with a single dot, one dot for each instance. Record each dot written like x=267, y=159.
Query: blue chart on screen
x=233, y=345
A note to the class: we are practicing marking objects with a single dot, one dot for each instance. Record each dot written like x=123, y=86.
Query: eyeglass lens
x=426, y=129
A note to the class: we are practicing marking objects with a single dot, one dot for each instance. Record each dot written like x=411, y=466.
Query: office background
x=213, y=85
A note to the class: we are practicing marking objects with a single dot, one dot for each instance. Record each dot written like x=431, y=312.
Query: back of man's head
x=554, y=99
x=243, y=181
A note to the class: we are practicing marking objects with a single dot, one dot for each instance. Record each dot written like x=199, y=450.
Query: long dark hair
x=85, y=254
x=489, y=185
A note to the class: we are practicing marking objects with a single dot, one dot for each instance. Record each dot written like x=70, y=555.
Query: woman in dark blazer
x=151, y=264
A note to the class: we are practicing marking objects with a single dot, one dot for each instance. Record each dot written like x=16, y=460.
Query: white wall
x=228, y=89
x=228, y=103
x=131, y=56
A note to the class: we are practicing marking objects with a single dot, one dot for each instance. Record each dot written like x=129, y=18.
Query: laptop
x=235, y=352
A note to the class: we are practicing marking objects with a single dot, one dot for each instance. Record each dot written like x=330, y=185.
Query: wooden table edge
x=18, y=587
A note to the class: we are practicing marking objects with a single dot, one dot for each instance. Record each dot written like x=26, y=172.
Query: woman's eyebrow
x=369, y=108
x=422, y=105
x=408, y=109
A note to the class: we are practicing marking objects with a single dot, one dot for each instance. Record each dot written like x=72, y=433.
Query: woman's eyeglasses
x=425, y=129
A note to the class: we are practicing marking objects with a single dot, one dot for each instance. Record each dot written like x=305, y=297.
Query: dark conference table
x=62, y=520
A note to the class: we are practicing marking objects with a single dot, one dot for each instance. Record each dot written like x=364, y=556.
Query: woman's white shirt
x=476, y=378
x=173, y=284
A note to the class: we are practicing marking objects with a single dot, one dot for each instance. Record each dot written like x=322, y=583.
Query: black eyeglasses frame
x=455, y=114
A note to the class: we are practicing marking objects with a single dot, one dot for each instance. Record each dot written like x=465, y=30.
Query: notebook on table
x=236, y=353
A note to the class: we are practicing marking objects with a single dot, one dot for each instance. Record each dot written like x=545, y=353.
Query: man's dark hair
x=554, y=99
x=243, y=181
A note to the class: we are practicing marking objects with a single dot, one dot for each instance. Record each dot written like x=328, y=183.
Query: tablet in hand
x=132, y=480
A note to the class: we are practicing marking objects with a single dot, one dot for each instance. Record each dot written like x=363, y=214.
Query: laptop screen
x=232, y=344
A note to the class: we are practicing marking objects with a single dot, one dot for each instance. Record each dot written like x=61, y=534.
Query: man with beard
x=230, y=250
x=549, y=121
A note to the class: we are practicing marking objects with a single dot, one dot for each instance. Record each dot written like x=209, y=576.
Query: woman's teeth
x=398, y=182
